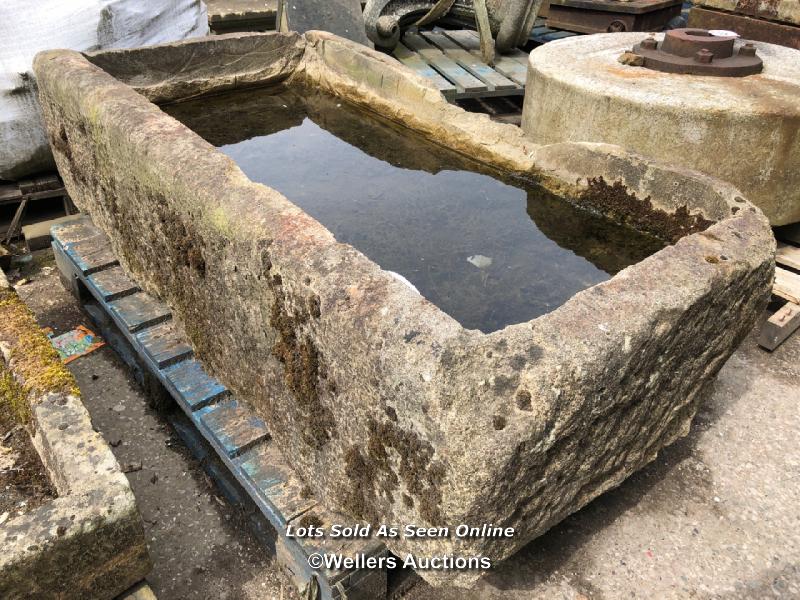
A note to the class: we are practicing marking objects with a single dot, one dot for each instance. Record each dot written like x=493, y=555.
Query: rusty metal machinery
x=700, y=52
x=612, y=16
x=510, y=20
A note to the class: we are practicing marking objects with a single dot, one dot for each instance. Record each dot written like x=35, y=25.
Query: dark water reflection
x=488, y=252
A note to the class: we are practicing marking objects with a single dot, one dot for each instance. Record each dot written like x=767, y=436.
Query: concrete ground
x=717, y=515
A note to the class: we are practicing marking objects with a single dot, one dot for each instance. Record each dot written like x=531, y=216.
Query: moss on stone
x=35, y=368
x=12, y=397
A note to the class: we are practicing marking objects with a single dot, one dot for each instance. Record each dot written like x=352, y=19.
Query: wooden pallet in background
x=452, y=60
x=24, y=192
x=139, y=324
x=786, y=319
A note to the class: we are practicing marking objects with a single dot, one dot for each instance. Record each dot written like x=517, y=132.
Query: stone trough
x=389, y=409
x=87, y=543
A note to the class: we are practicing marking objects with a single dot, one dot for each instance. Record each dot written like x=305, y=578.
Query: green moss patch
x=37, y=368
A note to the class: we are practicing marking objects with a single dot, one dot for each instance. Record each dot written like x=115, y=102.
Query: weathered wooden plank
x=412, y=60
x=139, y=310
x=465, y=82
x=787, y=285
x=788, y=256
x=780, y=326
x=193, y=386
x=516, y=55
x=235, y=428
x=71, y=232
x=275, y=483
x=92, y=255
x=10, y=193
x=504, y=65
x=470, y=62
x=541, y=30
x=164, y=344
x=112, y=283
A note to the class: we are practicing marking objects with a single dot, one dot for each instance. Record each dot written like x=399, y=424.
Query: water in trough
x=488, y=250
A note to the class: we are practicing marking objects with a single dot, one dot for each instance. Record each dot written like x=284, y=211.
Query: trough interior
x=488, y=249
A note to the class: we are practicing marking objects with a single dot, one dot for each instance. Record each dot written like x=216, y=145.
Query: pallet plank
x=504, y=65
x=515, y=55
x=787, y=285
x=235, y=428
x=275, y=482
x=112, y=284
x=780, y=326
x=164, y=344
x=465, y=82
x=493, y=79
x=193, y=386
x=413, y=61
x=140, y=310
x=92, y=255
x=71, y=232
x=557, y=35
x=788, y=256
x=540, y=30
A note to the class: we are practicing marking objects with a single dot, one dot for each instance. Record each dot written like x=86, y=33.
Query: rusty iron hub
x=698, y=52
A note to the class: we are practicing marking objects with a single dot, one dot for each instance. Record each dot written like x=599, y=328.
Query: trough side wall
x=308, y=331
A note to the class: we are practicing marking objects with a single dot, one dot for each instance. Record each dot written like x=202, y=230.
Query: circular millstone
x=699, y=52
x=744, y=130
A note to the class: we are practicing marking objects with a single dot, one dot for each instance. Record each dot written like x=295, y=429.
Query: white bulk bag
x=28, y=26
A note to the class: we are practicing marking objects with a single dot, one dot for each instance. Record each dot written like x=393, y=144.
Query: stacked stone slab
x=773, y=21
x=783, y=11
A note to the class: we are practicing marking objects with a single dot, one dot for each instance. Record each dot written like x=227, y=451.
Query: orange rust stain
x=631, y=72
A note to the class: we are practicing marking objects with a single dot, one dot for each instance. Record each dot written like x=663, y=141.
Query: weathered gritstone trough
x=388, y=408
x=88, y=543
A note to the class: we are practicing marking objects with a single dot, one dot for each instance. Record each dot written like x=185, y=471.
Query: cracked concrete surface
x=715, y=516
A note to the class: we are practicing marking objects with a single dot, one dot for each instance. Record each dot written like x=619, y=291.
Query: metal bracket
x=699, y=52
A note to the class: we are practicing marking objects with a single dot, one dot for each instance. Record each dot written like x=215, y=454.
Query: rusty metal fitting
x=698, y=52
x=749, y=49
x=704, y=56
x=649, y=43
x=616, y=27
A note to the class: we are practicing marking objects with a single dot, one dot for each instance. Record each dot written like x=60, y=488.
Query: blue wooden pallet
x=239, y=438
x=451, y=59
